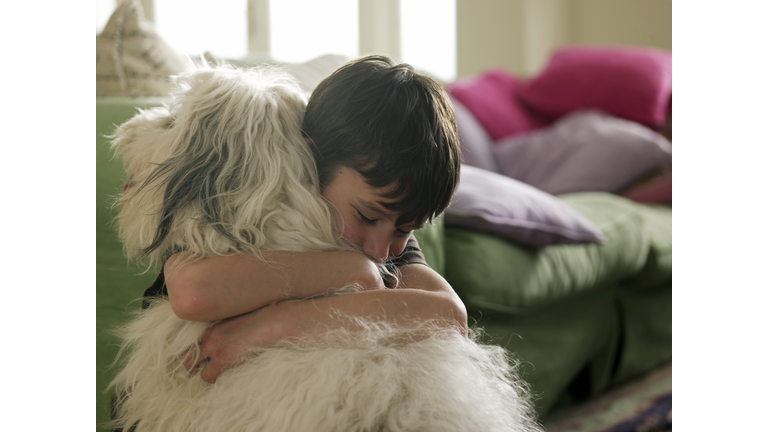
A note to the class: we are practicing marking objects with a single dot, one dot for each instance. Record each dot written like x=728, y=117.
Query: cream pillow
x=310, y=73
x=131, y=58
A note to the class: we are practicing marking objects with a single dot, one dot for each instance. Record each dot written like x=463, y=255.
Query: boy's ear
x=308, y=140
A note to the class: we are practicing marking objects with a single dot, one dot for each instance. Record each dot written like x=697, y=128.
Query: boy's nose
x=377, y=248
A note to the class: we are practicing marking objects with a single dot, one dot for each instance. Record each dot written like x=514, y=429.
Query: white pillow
x=310, y=73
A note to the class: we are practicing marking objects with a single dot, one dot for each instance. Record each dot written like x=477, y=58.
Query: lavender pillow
x=584, y=151
x=493, y=203
x=475, y=142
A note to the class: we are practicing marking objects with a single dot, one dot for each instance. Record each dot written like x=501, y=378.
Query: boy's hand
x=225, y=343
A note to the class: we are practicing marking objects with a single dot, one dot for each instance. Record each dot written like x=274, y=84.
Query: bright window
x=104, y=9
x=301, y=30
x=428, y=36
x=195, y=26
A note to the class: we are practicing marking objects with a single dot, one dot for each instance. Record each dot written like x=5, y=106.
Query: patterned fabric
x=643, y=405
x=657, y=417
x=131, y=58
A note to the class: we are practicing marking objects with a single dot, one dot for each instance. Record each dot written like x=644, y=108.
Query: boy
x=384, y=139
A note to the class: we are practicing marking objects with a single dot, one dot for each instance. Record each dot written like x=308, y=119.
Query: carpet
x=642, y=405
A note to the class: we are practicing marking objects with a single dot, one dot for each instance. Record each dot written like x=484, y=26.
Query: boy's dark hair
x=394, y=126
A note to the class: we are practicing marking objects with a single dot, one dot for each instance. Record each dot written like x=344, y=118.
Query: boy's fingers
x=218, y=364
x=210, y=372
x=195, y=356
x=192, y=359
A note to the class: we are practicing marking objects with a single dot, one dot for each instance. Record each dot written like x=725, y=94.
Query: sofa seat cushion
x=494, y=274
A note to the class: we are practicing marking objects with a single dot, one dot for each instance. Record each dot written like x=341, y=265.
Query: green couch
x=580, y=318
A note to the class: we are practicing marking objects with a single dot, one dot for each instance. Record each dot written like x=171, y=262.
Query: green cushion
x=657, y=220
x=647, y=332
x=431, y=241
x=495, y=274
x=556, y=343
x=646, y=301
x=117, y=283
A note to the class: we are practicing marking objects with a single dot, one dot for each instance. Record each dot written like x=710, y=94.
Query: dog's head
x=223, y=167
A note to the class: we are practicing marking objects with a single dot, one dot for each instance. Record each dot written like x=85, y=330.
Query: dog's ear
x=142, y=143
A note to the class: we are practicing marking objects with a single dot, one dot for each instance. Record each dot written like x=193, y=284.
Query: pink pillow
x=492, y=99
x=631, y=83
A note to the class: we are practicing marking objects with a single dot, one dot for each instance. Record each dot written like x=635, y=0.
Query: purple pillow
x=475, y=143
x=631, y=83
x=492, y=99
x=490, y=202
x=583, y=152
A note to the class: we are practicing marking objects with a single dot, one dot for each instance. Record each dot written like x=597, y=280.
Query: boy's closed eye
x=366, y=220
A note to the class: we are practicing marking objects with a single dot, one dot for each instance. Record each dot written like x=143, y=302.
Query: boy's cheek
x=349, y=233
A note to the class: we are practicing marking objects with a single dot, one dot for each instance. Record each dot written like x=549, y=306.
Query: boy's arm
x=422, y=294
x=226, y=286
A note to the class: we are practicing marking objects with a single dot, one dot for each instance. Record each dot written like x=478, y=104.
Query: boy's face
x=363, y=222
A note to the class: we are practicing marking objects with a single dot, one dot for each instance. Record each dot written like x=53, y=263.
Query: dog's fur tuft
x=223, y=168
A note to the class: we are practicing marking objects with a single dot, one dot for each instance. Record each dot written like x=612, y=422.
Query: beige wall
x=518, y=35
x=480, y=26
x=624, y=22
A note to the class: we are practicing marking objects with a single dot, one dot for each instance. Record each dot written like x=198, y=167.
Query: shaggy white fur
x=223, y=168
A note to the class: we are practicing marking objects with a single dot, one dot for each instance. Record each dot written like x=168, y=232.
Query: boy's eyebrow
x=377, y=208
x=419, y=226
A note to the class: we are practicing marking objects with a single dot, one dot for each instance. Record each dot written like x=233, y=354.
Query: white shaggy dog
x=221, y=169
